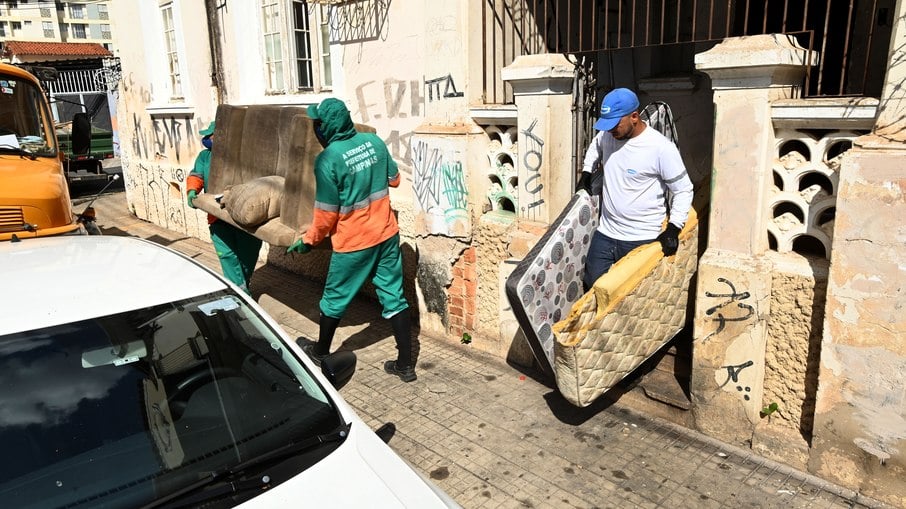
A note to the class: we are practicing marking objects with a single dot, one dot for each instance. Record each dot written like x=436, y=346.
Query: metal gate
x=851, y=36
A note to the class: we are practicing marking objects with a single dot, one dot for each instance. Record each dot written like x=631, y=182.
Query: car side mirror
x=338, y=368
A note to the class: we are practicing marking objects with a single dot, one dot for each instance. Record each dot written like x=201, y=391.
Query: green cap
x=209, y=131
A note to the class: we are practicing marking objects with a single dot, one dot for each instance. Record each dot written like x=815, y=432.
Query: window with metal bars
x=173, y=68
x=76, y=11
x=297, y=55
x=78, y=31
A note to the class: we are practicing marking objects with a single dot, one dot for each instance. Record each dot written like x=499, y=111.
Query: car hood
x=362, y=472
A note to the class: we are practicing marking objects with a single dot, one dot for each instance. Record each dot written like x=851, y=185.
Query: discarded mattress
x=548, y=281
x=589, y=342
x=631, y=313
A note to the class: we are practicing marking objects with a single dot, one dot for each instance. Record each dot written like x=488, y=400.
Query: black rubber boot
x=327, y=327
x=402, y=333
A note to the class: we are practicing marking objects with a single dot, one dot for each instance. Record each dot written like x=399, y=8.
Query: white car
x=133, y=376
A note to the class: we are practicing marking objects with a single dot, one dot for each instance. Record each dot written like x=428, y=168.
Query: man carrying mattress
x=640, y=166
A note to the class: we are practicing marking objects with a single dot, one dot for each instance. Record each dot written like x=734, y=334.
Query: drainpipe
x=214, y=38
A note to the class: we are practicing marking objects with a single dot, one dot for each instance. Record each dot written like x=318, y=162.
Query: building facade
x=52, y=21
x=796, y=336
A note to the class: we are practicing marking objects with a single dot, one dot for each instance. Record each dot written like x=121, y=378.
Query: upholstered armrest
x=274, y=232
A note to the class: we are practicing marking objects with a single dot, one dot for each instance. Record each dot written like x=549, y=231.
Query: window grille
x=851, y=37
x=172, y=55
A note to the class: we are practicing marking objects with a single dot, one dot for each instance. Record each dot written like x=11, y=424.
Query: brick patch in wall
x=462, y=294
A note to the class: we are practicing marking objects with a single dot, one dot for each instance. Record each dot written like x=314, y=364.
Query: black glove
x=669, y=239
x=584, y=182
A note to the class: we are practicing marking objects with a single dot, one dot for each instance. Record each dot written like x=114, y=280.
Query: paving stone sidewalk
x=494, y=436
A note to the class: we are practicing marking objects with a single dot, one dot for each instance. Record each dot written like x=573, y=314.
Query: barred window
x=76, y=11
x=78, y=30
x=297, y=53
x=172, y=55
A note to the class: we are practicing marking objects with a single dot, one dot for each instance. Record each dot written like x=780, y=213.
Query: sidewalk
x=495, y=437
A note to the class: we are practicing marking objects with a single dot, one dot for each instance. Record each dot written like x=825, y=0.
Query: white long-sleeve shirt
x=638, y=172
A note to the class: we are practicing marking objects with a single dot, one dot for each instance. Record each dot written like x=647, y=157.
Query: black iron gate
x=851, y=36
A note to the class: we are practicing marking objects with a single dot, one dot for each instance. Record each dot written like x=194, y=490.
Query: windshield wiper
x=19, y=150
x=227, y=482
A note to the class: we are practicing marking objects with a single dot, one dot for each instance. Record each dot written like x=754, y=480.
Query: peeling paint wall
x=860, y=415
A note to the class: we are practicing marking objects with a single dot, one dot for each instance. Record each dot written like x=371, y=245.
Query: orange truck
x=34, y=196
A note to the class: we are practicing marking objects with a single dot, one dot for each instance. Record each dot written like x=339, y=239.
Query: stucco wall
x=860, y=417
x=792, y=351
x=794, y=343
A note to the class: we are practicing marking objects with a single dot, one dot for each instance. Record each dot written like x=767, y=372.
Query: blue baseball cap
x=618, y=103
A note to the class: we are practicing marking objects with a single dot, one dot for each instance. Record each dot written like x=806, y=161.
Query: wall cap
x=544, y=74
x=825, y=113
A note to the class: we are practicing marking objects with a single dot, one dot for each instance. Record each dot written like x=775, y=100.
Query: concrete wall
x=798, y=342
x=158, y=136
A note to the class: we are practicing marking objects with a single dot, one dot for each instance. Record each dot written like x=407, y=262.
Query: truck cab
x=34, y=196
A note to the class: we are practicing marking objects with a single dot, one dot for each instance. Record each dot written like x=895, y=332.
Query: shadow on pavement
x=302, y=295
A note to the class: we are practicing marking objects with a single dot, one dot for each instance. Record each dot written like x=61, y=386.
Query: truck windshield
x=24, y=117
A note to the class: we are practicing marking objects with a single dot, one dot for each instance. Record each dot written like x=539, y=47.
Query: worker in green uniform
x=353, y=176
x=236, y=249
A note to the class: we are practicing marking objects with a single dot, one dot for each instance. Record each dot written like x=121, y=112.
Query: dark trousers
x=604, y=252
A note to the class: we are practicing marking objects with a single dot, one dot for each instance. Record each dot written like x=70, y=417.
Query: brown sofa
x=257, y=141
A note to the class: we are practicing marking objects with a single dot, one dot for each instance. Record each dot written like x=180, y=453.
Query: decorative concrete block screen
x=804, y=194
x=502, y=156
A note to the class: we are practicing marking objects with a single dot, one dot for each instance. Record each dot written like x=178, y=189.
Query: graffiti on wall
x=449, y=88
x=165, y=137
x=440, y=190
x=731, y=308
x=445, y=38
x=739, y=312
x=534, y=185
x=391, y=99
x=733, y=373
x=156, y=194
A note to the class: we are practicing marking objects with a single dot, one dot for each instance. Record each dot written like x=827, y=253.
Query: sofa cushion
x=254, y=202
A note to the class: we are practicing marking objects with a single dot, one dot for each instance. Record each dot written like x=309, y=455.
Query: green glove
x=191, y=197
x=298, y=247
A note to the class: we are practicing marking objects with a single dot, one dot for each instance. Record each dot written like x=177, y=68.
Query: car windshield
x=124, y=409
x=24, y=118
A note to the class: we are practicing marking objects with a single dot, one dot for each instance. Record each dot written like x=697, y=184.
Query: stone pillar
x=542, y=87
x=734, y=278
x=860, y=416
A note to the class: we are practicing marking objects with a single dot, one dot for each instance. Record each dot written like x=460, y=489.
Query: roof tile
x=57, y=49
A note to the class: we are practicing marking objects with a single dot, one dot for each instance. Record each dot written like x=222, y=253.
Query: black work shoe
x=405, y=374
x=309, y=350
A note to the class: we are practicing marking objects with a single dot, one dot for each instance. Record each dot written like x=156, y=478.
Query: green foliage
x=768, y=410
x=466, y=338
